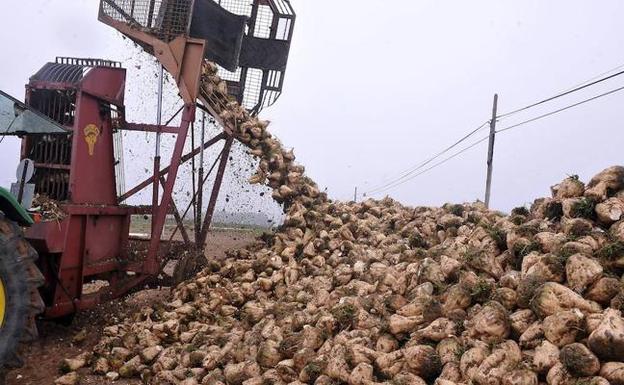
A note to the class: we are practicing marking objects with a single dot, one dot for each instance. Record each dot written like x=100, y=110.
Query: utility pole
x=156, y=187
x=490, y=158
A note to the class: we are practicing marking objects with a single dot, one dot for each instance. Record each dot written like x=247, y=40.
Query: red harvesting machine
x=72, y=154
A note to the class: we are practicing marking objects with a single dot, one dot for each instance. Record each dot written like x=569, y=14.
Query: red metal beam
x=188, y=207
x=78, y=209
x=155, y=127
x=152, y=262
x=215, y=192
x=149, y=128
x=103, y=97
x=75, y=209
x=165, y=170
x=178, y=218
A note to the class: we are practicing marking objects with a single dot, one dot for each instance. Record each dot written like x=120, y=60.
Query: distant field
x=142, y=224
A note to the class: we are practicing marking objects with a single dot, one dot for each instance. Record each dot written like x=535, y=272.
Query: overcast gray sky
x=376, y=87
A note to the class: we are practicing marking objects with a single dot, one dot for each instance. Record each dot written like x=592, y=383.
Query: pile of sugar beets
x=377, y=292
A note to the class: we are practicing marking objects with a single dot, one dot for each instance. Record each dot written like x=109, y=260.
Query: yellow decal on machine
x=91, y=133
x=3, y=302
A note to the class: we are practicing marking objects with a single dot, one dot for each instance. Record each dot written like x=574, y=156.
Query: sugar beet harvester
x=70, y=126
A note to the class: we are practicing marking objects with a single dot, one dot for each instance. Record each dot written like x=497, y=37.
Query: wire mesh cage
x=165, y=19
x=256, y=61
x=258, y=82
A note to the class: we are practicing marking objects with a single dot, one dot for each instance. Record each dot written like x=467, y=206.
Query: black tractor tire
x=20, y=280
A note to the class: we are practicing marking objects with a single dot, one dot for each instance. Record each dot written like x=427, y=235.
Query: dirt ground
x=56, y=341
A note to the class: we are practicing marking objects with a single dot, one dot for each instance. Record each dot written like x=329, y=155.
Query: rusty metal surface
x=78, y=168
x=152, y=264
x=53, y=91
x=92, y=177
x=58, y=105
x=150, y=128
x=70, y=70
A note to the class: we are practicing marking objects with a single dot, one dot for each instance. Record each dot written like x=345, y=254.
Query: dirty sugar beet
x=377, y=292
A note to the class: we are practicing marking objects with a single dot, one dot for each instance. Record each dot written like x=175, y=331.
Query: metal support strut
x=159, y=215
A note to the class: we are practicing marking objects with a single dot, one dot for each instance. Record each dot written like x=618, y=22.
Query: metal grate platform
x=259, y=86
x=165, y=19
x=253, y=35
x=70, y=70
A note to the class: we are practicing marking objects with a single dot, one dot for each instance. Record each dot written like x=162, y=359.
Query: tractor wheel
x=20, y=301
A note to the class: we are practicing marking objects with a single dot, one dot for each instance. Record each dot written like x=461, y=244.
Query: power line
x=406, y=173
x=561, y=110
x=575, y=89
x=435, y=165
x=595, y=77
x=404, y=180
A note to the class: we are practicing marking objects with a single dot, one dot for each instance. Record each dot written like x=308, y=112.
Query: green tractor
x=20, y=278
